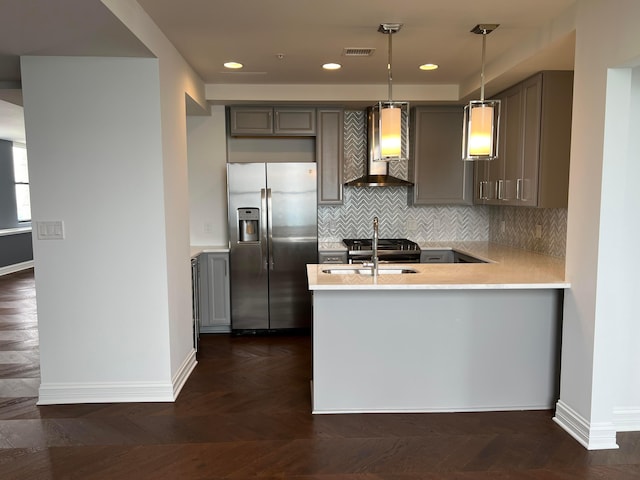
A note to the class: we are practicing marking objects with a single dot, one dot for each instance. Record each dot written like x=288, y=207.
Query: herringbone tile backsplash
x=520, y=228
x=397, y=220
x=440, y=223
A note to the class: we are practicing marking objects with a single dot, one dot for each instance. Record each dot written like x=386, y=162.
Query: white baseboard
x=181, y=376
x=215, y=329
x=16, y=267
x=592, y=436
x=112, y=392
x=626, y=419
x=64, y=393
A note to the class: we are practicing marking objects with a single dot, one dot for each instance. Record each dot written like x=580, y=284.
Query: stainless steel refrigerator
x=273, y=234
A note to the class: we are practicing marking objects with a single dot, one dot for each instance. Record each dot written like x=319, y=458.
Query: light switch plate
x=50, y=230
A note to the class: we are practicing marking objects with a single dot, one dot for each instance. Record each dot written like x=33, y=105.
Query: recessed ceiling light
x=428, y=66
x=233, y=65
x=332, y=66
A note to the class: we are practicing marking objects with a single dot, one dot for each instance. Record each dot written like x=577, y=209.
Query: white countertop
x=198, y=249
x=510, y=268
x=331, y=247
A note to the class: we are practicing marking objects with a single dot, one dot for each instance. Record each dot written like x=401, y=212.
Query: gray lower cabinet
x=330, y=155
x=532, y=168
x=277, y=121
x=215, y=316
x=439, y=174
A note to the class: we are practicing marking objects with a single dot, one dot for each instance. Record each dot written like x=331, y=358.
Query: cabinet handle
x=518, y=188
x=481, y=191
x=523, y=197
x=270, y=227
x=500, y=190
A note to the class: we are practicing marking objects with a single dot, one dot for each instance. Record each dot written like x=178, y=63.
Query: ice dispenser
x=248, y=224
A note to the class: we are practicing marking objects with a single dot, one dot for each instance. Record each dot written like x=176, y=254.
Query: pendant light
x=481, y=117
x=391, y=118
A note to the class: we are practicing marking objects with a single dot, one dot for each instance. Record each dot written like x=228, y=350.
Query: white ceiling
x=310, y=33
x=306, y=33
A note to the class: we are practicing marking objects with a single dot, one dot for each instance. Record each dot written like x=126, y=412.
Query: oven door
x=412, y=257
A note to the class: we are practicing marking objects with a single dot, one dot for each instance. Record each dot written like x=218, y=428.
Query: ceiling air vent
x=358, y=52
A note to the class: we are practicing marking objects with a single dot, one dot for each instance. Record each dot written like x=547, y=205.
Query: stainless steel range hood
x=376, y=172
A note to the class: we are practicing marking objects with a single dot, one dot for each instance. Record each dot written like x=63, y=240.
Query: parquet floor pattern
x=244, y=414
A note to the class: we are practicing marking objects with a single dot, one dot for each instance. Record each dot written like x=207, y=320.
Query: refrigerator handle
x=264, y=263
x=270, y=227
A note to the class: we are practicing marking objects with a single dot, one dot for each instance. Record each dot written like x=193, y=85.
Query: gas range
x=390, y=250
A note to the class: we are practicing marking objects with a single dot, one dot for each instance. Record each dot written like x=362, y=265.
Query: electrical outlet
x=208, y=228
x=412, y=226
x=503, y=226
x=538, y=231
x=436, y=224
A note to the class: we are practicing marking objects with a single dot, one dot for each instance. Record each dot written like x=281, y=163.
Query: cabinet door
x=251, y=120
x=440, y=175
x=215, y=292
x=527, y=187
x=330, y=156
x=493, y=189
x=295, y=121
x=555, y=139
x=512, y=145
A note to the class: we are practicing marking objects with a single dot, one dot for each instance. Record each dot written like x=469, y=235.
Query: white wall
x=95, y=161
x=622, y=207
x=207, y=150
x=598, y=216
x=110, y=160
x=176, y=79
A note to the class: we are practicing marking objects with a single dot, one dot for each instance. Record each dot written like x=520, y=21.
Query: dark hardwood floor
x=244, y=414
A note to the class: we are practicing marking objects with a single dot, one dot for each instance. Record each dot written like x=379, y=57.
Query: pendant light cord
x=390, y=76
x=484, y=46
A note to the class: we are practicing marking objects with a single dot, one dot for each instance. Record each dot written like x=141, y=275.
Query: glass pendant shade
x=391, y=134
x=480, y=130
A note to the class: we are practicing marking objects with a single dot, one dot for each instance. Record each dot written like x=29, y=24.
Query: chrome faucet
x=374, y=258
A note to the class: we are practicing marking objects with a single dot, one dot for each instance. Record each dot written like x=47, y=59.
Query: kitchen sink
x=367, y=271
x=434, y=255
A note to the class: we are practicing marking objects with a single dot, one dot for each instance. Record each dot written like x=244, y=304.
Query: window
x=21, y=175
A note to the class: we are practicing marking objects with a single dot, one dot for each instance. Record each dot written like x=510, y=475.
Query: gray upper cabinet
x=330, y=155
x=294, y=121
x=279, y=121
x=548, y=102
x=439, y=174
x=535, y=139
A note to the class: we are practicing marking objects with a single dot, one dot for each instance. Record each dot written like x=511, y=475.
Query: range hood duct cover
x=377, y=172
x=378, y=181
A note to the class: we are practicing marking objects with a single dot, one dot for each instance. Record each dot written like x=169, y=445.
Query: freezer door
x=249, y=275
x=293, y=236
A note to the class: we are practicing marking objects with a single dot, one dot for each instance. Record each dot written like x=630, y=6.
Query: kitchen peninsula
x=449, y=337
